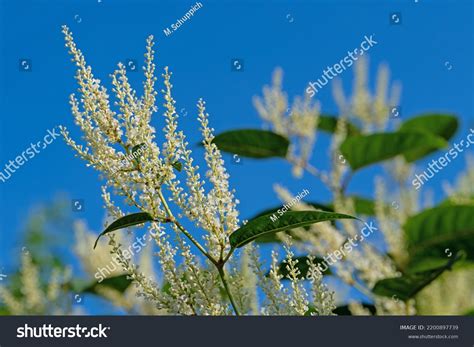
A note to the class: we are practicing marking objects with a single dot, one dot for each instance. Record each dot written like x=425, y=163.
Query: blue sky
x=432, y=33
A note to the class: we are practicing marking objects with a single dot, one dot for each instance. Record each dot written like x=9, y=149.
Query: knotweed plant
x=365, y=265
x=362, y=135
x=185, y=212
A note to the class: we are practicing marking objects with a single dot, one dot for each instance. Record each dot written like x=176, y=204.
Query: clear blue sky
x=199, y=54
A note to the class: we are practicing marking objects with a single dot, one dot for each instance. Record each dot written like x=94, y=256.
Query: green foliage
x=442, y=229
x=136, y=152
x=440, y=125
x=443, y=125
x=126, y=221
x=272, y=237
x=137, y=148
x=316, y=205
x=411, y=283
x=292, y=219
x=362, y=206
x=253, y=143
x=364, y=150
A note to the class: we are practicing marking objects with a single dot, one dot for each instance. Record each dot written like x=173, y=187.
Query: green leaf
x=119, y=283
x=292, y=219
x=136, y=152
x=365, y=150
x=328, y=123
x=441, y=125
x=178, y=165
x=439, y=230
x=125, y=222
x=302, y=266
x=253, y=143
x=344, y=309
x=362, y=206
x=316, y=205
x=411, y=283
x=430, y=263
x=272, y=237
x=469, y=312
x=137, y=148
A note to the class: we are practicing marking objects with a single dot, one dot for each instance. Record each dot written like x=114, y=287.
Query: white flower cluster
x=372, y=110
x=151, y=181
x=298, y=122
x=366, y=265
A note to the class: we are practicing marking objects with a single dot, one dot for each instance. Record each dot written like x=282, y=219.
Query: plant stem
x=228, y=255
x=183, y=230
x=194, y=241
x=220, y=268
x=219, y=265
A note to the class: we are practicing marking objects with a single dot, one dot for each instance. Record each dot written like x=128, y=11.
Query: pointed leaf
x=441, y=125
x=292, y=219
x=441, y=230
x=253, y=143
x=316, y=205
x=126, y=221
x=272, y=237
x=411, y=283
x=430, y=263
x=365, y=150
